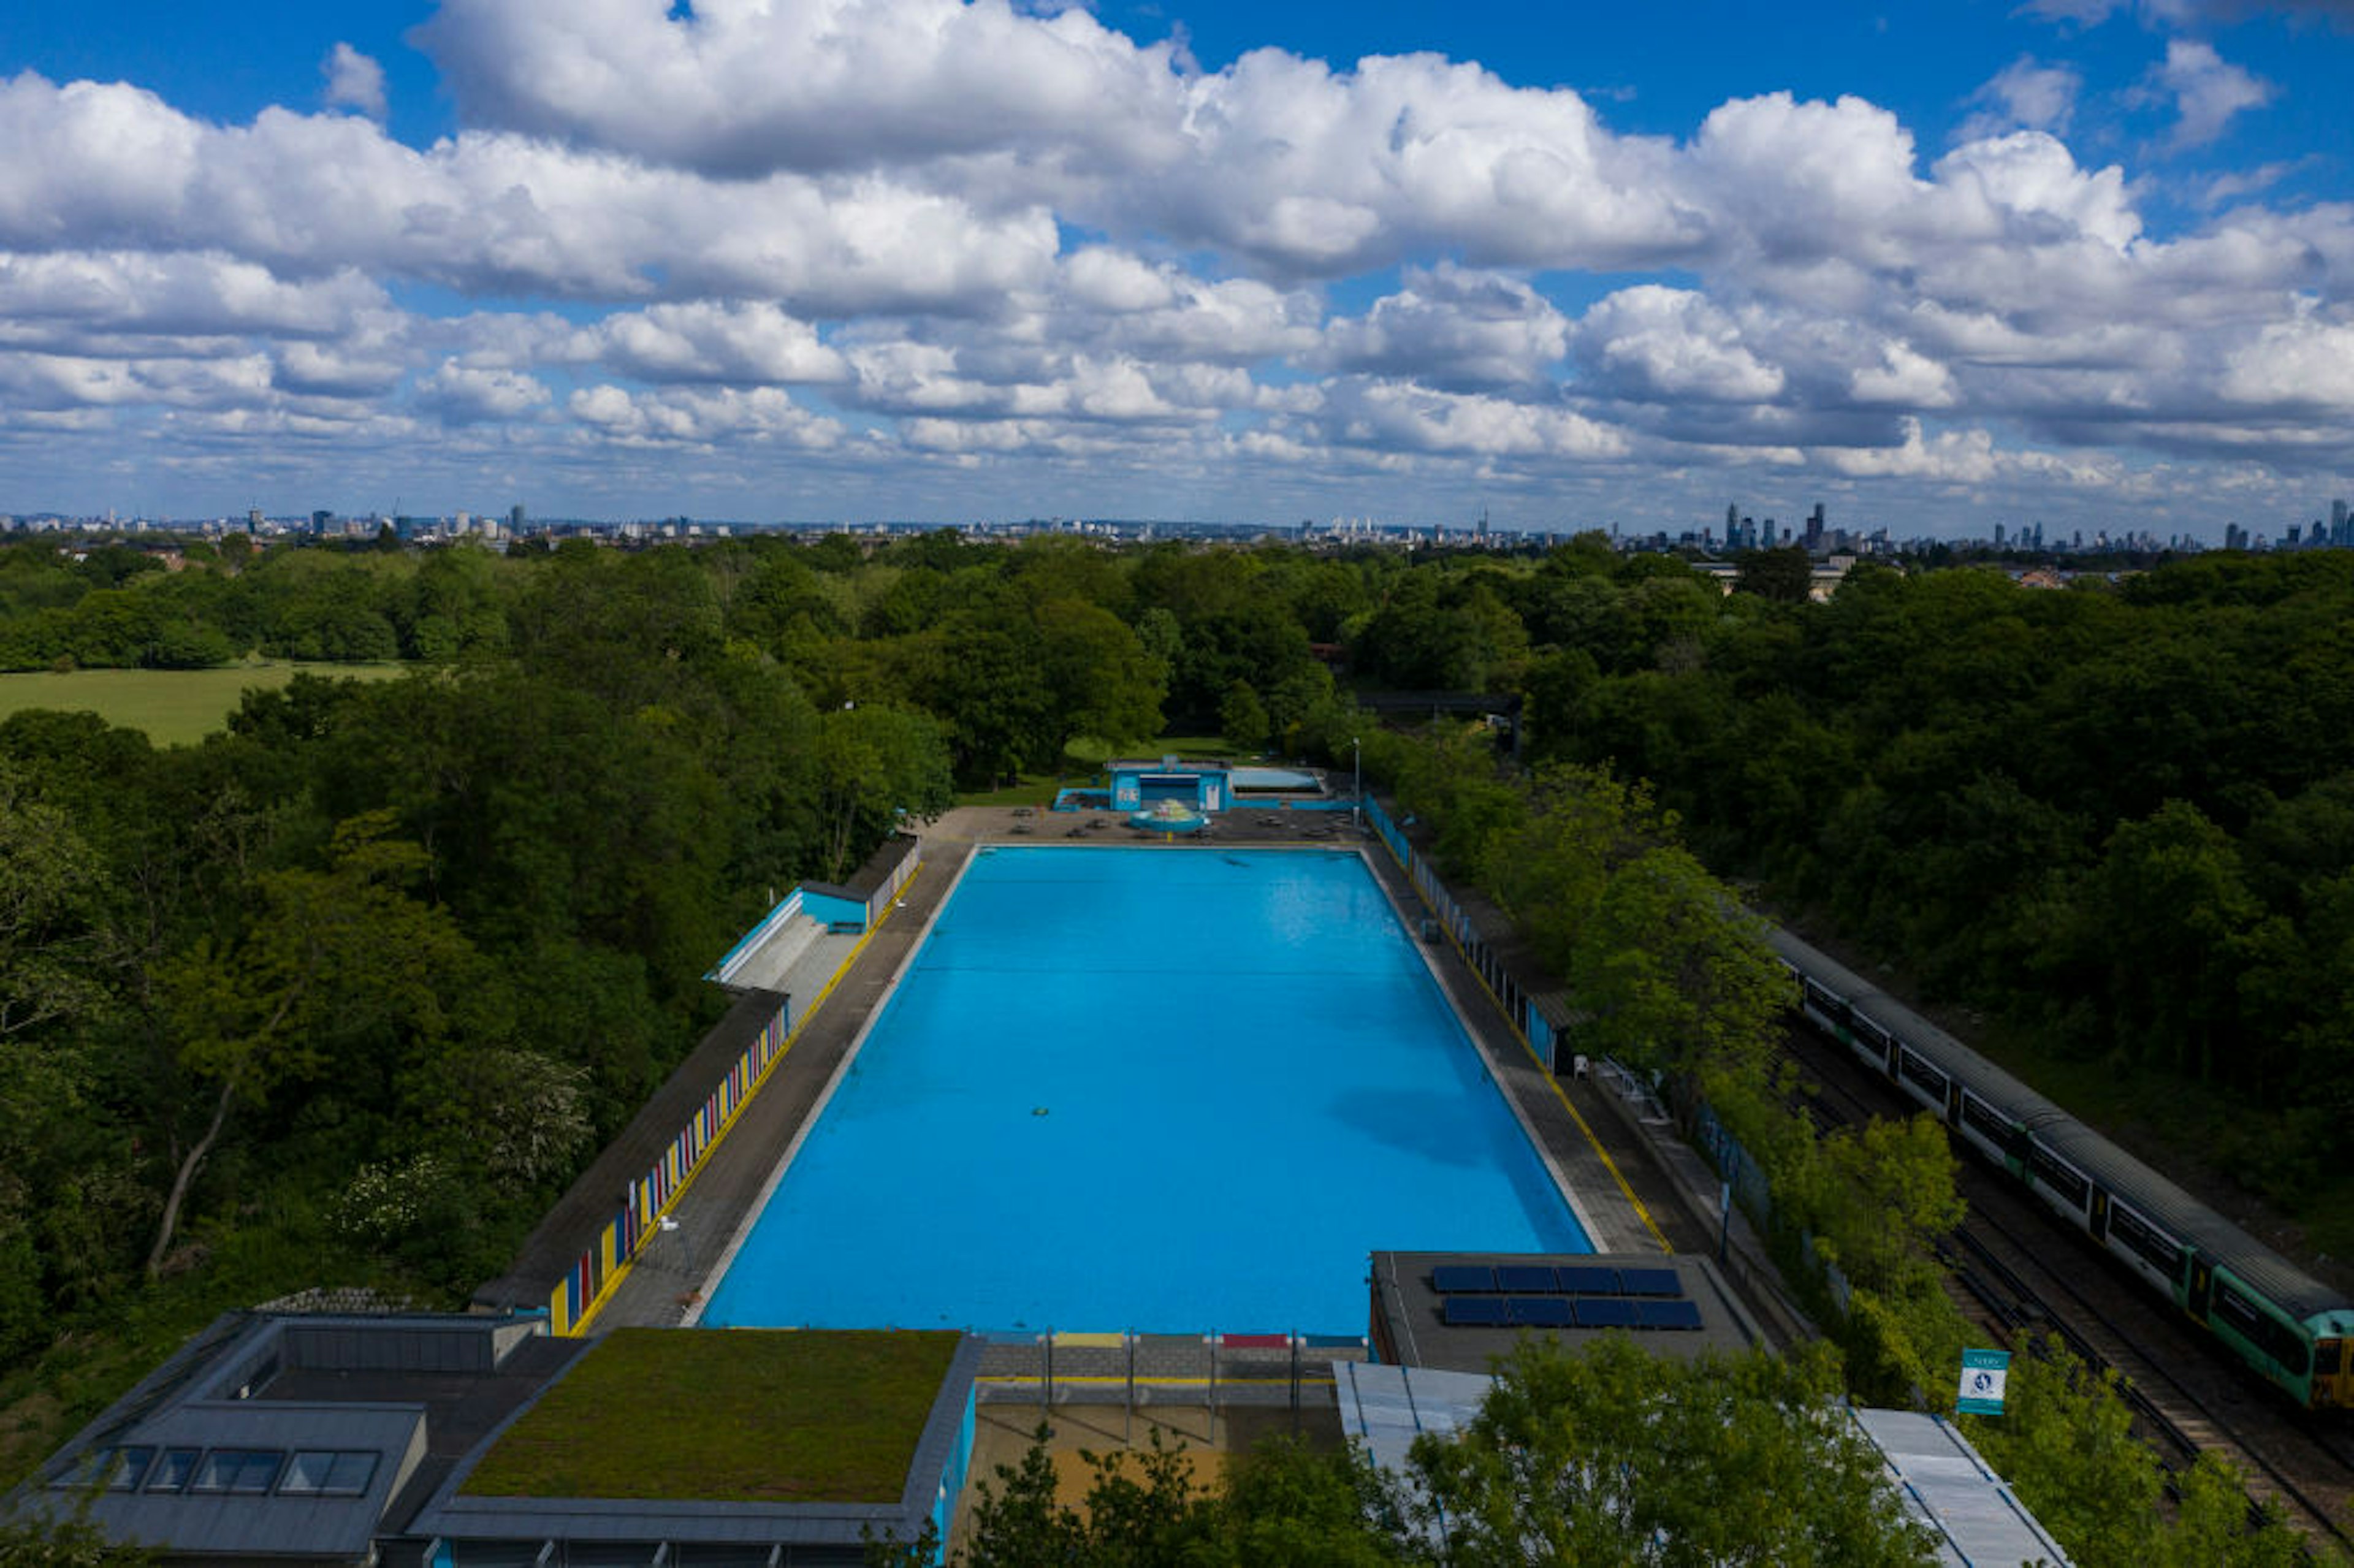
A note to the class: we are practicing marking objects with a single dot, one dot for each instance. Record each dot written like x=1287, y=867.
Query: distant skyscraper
x=515, y=518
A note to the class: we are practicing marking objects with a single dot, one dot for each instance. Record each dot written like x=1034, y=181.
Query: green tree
x=1286, y=1506
x=1782, y=574
x=1671, y=975
x=334, y=958
x=35, y=1540
x=50, y=934
x=1100, y=680
x=1241, y=718
x=1615, y=1455
x=877, y=765
x=2167, y=911
x=1887, y=1196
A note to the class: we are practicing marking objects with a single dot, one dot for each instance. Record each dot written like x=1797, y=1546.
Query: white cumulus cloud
x=2208, y=90
x=354, y=81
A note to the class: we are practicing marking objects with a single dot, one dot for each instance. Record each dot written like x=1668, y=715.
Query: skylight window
x=241, y=1472
x=327, y=1472
x=173, y=1470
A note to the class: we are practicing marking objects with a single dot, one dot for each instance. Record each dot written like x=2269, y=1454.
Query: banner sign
x=1983, y=1375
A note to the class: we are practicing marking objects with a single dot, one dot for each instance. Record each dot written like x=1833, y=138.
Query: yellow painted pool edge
x=1642, y=1212
x=620, y=1271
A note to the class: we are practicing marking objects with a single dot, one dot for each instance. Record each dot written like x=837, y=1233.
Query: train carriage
x=2294, y=1329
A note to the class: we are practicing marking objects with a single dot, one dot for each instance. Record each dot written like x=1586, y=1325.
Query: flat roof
x=780, y=1399
x=812, y=1416
x=271, y=1435
x=1410, y=1318
x=1948, y=1488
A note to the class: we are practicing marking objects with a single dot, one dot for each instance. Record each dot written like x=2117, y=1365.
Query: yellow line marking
x=1526, y=1044
x=621, y=1270
x=1015, y=1380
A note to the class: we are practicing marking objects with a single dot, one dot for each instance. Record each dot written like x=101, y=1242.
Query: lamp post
x=1356, y=785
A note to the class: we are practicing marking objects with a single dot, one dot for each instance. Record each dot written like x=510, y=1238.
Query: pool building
x=1206, y=787
x=448, y=1440
x=1138, y=786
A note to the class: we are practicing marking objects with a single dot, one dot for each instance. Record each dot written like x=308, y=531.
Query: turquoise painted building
x=1138, y=786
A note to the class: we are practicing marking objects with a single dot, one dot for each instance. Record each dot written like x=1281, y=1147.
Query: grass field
x=176, y=707
x=747, y=1416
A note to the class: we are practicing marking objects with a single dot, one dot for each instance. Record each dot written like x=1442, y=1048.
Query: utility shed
x=1948, y=1486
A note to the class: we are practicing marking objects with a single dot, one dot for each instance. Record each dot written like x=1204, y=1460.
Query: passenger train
x=2291, y=1328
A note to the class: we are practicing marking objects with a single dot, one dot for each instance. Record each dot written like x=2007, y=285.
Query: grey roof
x=1386, y=1407
x=279, y=1384
x=1946, y=1486
x=1408, y=1325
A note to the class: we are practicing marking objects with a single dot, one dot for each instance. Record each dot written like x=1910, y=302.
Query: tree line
x=353, y=989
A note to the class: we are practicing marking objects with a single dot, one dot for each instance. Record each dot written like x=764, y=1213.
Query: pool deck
x=1632, y=1186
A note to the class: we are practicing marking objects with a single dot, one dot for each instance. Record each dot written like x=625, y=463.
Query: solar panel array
x=1538, y=1295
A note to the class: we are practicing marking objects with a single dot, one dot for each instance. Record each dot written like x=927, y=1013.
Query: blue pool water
x=1174, y=1090
x=1270, y=778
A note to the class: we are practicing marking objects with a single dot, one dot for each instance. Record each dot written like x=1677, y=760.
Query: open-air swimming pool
x=1165, y=1089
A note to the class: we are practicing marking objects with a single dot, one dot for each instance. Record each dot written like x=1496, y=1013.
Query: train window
x=1985, y=1121
x=2267, y=1333
x=1913, y=1070
x=1874, y=1033
x=2236, y=1310
x=2058, y=1175
x=2146, y=1242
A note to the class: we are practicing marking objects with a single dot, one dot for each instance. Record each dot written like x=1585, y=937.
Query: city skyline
x=2080, y=263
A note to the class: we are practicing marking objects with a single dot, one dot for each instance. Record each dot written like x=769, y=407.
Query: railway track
x=2028, y=1270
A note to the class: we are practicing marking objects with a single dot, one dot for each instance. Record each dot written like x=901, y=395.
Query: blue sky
x=1938, y=266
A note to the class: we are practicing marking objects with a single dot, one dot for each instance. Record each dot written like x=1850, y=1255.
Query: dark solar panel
x=1457, y=1278
x=1589, y=1281
x=1525, y=1279
x=1605, y=1312
x=1476, y=1312
x=1541, y=1311
x=1677, y=1314
x=1651, y=1282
